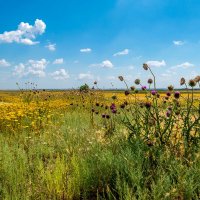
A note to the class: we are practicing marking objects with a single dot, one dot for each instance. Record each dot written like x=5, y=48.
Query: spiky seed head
x=121, y=78
x=192, y=83
x=150, y=81
x=137, y=81
x=145, y=66
x=182, y=81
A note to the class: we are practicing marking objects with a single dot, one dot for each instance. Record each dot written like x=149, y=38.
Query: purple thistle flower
x=144, y=87
x=113, y=106
x=153, y=92
x=114, y=111
x=168, y=94
x=148, y=104
x=177, y=94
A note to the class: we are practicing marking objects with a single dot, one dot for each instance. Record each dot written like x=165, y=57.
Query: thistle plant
x=160, y=121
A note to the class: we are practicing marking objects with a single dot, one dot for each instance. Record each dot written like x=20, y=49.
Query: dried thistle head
x=137, y=81
x=145, y=66
x=182, y=81
x=197, y=79
x=192, y=83
x=150, y=81
x=95, y=82
x=170, y=87
x=132, y=88
x=121, y=78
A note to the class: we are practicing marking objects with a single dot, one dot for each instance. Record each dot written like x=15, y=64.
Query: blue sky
x=63, y=44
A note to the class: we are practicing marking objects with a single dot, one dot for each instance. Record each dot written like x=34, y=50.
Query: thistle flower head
x=132, y=88
x=95, y=82
x=150, y=81
x=122, y=106
x=148, y=105
x=177, y=94
x=182, y=81
x=168, y=94
x=126, y=92
x=113, y=106
x=137, y=81
x=144, y=87
x=192, y=83
x=153, y=92
x=170, y=87
x=121, y=78
x=145, y=66
x=197, y=79
x=103, y=115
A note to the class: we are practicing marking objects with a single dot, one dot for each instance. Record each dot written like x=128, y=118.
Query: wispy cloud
x=85, y=76
x=4, y=63
x=184, y=65
x=178, y=42
x=122, y=53
x=25, y=33
x=86, y=50
x=156, y=63
x=51, y=47
x=103, y=64
x=58, y=61
x=60, y=74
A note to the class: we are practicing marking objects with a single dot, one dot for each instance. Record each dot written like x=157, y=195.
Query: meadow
x=94, y=144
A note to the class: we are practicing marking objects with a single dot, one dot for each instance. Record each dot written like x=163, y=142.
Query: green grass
x=73, y=160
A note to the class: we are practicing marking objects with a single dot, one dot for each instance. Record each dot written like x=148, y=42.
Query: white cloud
x=25, y=34
x=32, y=67
x=122, y=53
x=51, y=47
x=60, y=74
x=104, y=64
x=58, y=61
x=19, y=70
x=178, y=42
x=4, y=63
x=184, y=65
x=86, y=50
x=107, y=64
x=155, y=63
x=88, y=75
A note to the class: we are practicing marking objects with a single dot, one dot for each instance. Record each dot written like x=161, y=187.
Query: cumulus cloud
x=122, y=53
x=25, y=33
x=60, y=74
x=178, y=42
x=104, y=64
x=51, y=47
x=155, y=63
x=86, y=76
x=32, y=67
x=58, y=61
x=86, y=50
x=19, y=70
x=4, y=63
x=184, y=65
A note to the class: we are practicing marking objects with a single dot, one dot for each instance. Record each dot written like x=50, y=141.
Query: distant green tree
x=84, y=88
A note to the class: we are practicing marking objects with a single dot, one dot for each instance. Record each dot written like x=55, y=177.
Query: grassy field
x=95, y=144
